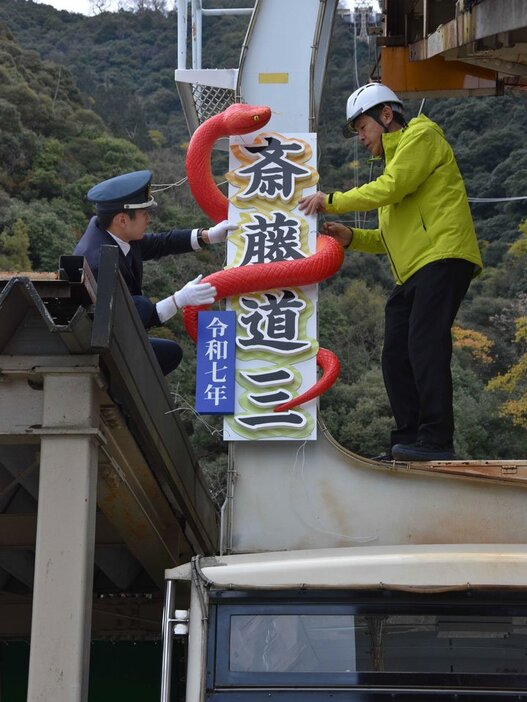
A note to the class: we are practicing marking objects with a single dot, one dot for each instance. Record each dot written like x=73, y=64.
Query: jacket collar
x=390, y=142
x=107, y=238
x=123, y=245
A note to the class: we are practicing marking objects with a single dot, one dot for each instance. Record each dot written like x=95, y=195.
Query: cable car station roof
x=58, y=341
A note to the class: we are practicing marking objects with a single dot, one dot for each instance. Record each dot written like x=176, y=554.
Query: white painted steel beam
x=182, y=15
x=289, y=77
x=60, y=631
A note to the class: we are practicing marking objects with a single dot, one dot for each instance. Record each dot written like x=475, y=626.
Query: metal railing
x=196, y=16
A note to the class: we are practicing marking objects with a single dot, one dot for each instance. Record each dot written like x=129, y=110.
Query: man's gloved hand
x=195, y=293
x=218, y=232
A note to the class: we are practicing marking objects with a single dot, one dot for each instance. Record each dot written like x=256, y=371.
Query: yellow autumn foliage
x=477, y=343
x=514, y=381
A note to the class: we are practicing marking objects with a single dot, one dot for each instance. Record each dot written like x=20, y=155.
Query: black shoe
x=386, y=457
x=421, y=451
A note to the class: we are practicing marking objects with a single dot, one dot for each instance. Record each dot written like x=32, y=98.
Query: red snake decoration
x=244, y=119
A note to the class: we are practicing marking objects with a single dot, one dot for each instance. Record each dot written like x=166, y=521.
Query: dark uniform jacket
x=151, y=246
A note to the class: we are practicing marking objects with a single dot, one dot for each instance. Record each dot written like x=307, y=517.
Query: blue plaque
x=216, y=361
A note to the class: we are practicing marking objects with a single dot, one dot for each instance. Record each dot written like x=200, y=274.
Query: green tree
x=44, y=178
x=351, y=325
x=14, y=246
x=49, y=235
x=358, y=415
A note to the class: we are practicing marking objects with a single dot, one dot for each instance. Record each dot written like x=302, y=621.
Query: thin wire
x=301, y=478
x=356, y=179
x=370, y=38
x=160, y=187
x=497, y=199
x=357, y=222
x=130, y=617
x=355, y=57
x=355, y=145
x=187, y=407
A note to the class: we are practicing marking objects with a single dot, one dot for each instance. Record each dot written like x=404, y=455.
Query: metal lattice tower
x=363, y=16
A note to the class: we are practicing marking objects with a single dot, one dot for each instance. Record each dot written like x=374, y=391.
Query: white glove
x=218, y=232
x=195, y=293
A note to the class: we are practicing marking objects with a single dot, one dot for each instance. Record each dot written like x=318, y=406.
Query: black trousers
x=418, y=349
x=168, y=353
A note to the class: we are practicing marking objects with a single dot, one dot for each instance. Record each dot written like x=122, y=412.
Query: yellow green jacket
x=424, y=214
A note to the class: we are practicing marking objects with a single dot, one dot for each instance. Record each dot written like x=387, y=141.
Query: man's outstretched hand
x=311, y=204
x=219, y=232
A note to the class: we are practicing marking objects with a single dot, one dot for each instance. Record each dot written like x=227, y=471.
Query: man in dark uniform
x=122, y=206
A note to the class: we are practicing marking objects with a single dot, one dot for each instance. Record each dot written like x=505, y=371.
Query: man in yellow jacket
x=427, y=232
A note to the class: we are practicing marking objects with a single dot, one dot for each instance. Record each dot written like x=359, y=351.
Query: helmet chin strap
x=375, y=114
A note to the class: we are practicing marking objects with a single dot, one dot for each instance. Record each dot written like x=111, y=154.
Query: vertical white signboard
x=276, y=336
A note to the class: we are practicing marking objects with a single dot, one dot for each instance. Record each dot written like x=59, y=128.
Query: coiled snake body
x=244, y=119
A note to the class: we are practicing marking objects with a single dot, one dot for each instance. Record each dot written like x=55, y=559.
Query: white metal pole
x=182, y=34
x=168, y=641
x=196, y=20
x=197, y=643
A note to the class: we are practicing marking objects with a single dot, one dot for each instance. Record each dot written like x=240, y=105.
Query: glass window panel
x=292, y=643
x=318, y=643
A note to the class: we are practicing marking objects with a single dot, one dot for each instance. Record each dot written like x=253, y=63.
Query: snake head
x=244, y=119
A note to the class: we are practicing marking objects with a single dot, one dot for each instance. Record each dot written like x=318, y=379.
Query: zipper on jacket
x=397, y=276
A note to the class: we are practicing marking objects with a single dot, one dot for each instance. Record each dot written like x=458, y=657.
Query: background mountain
x=84, y=98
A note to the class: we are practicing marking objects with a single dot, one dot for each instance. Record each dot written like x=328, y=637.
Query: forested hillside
x=84, y=98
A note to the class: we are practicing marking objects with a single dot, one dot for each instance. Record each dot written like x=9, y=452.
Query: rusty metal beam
x=434, y=77
x=133, y=503
x=494, y=471
x=484, y=20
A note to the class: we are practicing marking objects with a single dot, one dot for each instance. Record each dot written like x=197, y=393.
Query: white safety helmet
x=364, y=99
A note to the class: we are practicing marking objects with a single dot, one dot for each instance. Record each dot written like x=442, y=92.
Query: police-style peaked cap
x=130, y=191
